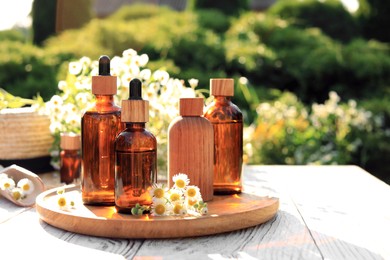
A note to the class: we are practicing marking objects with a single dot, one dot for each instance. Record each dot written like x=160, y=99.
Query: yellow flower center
x=177, y=208
x=62, y=202
x=7, y=185
x=16, y=195
x=191, y=202
x=158, y=193
x=159, y=209
x=175, y=197
x=180, y=183
x=191, y=192
x=26, y=187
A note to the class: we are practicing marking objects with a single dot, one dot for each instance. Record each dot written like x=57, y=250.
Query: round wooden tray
x=226, y=213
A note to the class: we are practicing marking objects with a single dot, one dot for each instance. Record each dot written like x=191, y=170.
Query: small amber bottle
x=70, y=158
x=191, y=146
x=99, y=127
x=227, y=121
x=135, y=154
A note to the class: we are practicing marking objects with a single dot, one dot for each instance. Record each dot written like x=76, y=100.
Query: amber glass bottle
x=226, y=119
x=70, y=157
x=135, y=154
x=99, y=127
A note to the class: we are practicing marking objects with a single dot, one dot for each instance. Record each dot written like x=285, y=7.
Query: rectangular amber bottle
x=227, y=121
x=70, y=158
x=99, y=127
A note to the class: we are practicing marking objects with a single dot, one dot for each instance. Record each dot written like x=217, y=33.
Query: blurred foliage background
x=289, y=59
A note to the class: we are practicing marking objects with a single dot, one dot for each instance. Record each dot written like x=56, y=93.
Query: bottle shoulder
x=104, y=109
x=137, y=140
x=189, y=121
x=226, y=112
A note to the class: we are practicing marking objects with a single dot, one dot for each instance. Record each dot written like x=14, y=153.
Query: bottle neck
x=71, y=152
x=222, y=99
x=135, y=126
x=104, y=99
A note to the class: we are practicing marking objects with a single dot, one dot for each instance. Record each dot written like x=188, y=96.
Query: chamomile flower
x=26, y=185
x=204, y=210
x=192, y=192
x=174, y=195
x=179, y=208
x=3, y=176
x=158, y=191
x=193, y=82
x=7, y=184
x=180, y=180
x=160, y=207
x=190, y=202
x=75, y=67
x=17, y=193
x=61, y=201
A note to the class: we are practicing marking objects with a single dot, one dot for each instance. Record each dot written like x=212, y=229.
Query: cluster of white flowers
x=163, y=92
x=18, y=191
x=347, y=116
x=181, y=199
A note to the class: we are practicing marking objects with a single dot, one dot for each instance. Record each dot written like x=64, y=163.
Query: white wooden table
x=326, y=212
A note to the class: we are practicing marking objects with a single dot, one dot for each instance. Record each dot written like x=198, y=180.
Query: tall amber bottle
x=99, y=127
x=135, y=154
x=227, y=121
x=70, y=157
x=191, y=146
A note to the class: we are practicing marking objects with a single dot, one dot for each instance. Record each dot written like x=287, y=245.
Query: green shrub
x=271, y=52
x=366, y=71
x=214, y=20
x=374, y=18
x=330, y=16
x=12, y=35
x=376, y=145
x=231, y=7
x=25, y=71
x=193, y=49
x=137, y=11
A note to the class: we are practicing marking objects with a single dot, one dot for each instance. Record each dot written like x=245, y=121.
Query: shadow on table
x=284, y=236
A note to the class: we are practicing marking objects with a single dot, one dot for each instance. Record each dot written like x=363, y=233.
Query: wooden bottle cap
x=70, y=141
x=135, y=111
x=222, y=87
x=191, y=106
x=104, y=85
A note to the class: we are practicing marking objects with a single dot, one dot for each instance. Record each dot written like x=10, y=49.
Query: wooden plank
x=343, y=206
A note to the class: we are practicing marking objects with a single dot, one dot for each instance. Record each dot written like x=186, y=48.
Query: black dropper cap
x=104, y=65
x=135, y=89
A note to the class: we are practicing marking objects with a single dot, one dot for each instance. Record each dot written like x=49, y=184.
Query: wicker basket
x=24, y=134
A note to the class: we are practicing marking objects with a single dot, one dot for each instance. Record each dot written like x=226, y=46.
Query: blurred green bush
x=330, y=16
x=26, y=71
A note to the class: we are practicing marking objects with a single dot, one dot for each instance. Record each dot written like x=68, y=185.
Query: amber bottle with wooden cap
x=99, y=127
x=227, y=121
x=191, y=146
x=135, y=154
x=70, y=157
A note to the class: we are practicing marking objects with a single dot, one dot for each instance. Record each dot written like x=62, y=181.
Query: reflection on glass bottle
x=135, y=154
x=70, y=158
x=99, y=127
x=227, y=121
